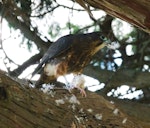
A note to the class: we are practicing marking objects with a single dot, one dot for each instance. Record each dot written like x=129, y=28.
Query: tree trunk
x=135, y=12
x=25, y=107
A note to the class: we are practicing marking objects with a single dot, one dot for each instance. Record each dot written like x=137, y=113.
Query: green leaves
x=54, y=30
x=72, y=27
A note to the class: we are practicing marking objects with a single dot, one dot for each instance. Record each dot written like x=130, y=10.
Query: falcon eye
x=102, y=37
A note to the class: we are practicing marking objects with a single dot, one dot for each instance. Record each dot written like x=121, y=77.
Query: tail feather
x=40, y=66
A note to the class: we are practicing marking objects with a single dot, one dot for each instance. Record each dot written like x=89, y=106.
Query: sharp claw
x=82, y=91
x=78, y=82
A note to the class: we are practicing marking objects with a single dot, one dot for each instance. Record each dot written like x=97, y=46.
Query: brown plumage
x=69, y=54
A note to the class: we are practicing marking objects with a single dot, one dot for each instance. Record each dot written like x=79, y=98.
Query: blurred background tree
x=39, y=26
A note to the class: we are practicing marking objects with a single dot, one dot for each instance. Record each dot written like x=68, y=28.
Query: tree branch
x=121, y=77
x=139, y=111
x=135, y=12
x=28, y=107
x=31, y=35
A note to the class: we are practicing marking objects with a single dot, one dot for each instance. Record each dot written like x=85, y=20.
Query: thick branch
x=27, y=107
x=121, y=77
x=135, y=12
x=139, y=111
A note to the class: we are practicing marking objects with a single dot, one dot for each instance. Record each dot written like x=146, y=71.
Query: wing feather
x=57, y=48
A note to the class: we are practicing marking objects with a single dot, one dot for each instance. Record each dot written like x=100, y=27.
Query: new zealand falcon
x=69, y=54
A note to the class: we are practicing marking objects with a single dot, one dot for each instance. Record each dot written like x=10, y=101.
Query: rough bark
x=135, y=12
x=136, y=110
x=24, y=107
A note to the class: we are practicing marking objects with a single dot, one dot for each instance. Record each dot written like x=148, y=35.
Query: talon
x=78, y=83
x=82, y=91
